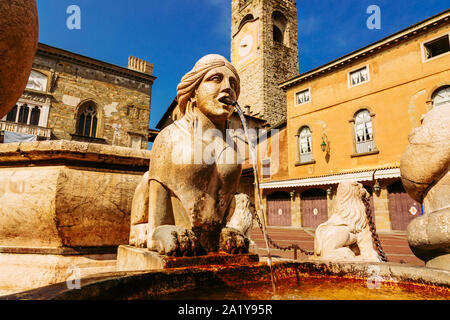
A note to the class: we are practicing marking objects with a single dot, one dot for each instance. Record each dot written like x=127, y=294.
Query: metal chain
x=373, y=230
x=288, y=248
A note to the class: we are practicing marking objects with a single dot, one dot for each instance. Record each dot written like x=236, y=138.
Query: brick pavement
x=394, y=244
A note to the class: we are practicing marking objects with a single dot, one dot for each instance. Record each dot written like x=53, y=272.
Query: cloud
x=223, y=20
x=309, y=25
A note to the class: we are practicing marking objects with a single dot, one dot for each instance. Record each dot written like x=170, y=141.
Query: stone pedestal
x=137, y=259
x=67, y=194
x=23, y=269
x=429, y=239
x=63, y=204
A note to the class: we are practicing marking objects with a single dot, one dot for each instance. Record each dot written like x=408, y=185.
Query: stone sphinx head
x=201, y=90
x=191, y=198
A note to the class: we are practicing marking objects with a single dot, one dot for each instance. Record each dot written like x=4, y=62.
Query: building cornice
x=64, y=55
x=372, y=49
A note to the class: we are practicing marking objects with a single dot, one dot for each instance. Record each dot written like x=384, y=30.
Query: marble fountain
x=189, y=231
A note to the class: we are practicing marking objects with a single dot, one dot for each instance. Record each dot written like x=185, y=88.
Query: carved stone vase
x=424, y=168
x=19, y=30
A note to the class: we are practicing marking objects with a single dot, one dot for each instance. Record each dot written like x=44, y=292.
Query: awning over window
x=335, y=179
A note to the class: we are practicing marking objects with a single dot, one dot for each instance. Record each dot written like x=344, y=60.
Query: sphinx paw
x=175, y=241
x=233, y=241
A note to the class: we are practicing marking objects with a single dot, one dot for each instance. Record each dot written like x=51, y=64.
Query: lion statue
x=346, y=235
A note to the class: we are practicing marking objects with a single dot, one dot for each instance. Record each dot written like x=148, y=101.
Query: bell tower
x=264, y=49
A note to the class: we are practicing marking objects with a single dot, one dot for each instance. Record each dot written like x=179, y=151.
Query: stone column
x=45, y=111
x=19, y=106
x=296, y=214
x=381, y=208
x=30, y=109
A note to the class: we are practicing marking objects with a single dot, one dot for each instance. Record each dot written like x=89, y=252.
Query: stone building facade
x=264, y=49
x=73, y=97
x=350, y=120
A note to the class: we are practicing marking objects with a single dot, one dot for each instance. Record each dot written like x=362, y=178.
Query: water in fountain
x=255, y=172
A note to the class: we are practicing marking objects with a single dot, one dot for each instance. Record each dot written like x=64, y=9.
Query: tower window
x=248, y=17
x=279, y=26
x=277, y=35
x=437, y=47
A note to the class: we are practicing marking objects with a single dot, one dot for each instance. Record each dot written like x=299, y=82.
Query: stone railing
x=27, y=129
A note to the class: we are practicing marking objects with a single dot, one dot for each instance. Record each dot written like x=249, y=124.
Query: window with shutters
x=359, y=76
x=364, y=132
x=305, y=145
x=436, y=47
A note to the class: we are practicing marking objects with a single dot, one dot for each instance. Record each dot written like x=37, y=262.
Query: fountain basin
x=304, y=280
x=63, y=203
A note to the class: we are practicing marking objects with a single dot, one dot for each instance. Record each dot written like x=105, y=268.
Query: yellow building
x=350, y=120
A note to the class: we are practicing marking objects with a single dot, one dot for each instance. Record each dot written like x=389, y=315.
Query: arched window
x=87, y=120
x=279, y=26
x=248, y=17
x=441, y=97
x=23, y=114
x=12, y=115
x=305, y=145
x=35, y=115
x=277, y=34
x=364, y=132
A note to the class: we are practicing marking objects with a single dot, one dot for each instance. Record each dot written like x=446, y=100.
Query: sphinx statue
x=424, y=170
x=346, y=236
x=18, y=44
x=184, y=203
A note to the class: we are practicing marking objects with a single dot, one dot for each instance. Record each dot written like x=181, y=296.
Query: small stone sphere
x=19, y=31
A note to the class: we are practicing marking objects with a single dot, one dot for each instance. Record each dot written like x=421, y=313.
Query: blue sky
x=174, y=34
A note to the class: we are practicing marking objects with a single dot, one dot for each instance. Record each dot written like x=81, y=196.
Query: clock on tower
x=246, y=42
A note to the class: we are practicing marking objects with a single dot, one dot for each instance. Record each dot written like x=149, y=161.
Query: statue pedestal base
x=140, y=259
x=429, y=238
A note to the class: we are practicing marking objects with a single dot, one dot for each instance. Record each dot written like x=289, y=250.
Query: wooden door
x=279, y=209
x=402, y=208
x=314, y=208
